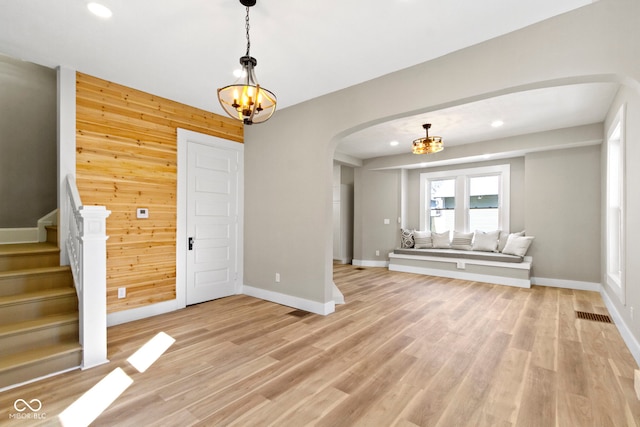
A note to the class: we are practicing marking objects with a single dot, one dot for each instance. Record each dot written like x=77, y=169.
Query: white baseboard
x=19, y=235
x=142, y=312
x=625, y=331
x=290, y=301
x=566, y=284
x=369, y=263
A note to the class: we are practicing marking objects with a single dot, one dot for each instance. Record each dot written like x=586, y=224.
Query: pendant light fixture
x=245, y=99
x=429, y=144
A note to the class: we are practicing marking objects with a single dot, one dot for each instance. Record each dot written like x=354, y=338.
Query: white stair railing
x=87, y=251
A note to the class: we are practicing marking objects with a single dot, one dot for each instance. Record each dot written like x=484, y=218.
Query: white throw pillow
x=486, y=241
x=422, y=240
x=461, y=241
x=517, y=245
x=504, y=235
x=441, y=240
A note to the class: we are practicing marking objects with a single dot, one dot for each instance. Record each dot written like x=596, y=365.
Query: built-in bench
x=488, y=267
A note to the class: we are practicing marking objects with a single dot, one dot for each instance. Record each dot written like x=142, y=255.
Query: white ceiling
x=184, y=50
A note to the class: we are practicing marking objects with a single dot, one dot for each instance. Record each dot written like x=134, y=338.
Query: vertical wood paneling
x=127, y=158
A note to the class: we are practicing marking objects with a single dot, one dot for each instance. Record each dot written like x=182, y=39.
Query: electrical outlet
x=377, y=253
x=122, y=292
x=277, y=277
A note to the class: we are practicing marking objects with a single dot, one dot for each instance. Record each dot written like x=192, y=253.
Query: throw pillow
x=486, y=241
x=461, y=241
x=406, y=238
x=422, y=239
x=517, y=245
x=441, y=240
x=504, y=235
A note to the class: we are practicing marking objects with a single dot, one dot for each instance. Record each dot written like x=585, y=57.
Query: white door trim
x=181, y=233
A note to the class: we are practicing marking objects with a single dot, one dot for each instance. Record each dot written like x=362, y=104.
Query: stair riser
x=36, y=308
x=35, y=282
x=49, y=335
x=40, y=368
x=24, y=261
x=52, y=235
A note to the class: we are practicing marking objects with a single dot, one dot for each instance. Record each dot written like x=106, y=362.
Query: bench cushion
x=456, y=253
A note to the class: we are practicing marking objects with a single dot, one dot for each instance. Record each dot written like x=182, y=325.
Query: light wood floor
x=405, y=350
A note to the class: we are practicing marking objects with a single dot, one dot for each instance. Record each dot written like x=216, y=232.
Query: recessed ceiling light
x=394, y=143
x=497, y=123
x=99, y=10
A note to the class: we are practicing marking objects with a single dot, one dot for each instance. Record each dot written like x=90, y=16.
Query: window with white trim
x=615, y=207
x=465, y=199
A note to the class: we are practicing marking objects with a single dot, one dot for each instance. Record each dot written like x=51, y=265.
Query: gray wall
x=562, y=190
x=377, y=199
x=516, y=208
x=378, y=195
x=27, y=142
x=289, y=159
x=555, y=196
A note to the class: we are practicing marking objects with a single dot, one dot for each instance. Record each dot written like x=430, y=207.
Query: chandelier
x=429, y=144
x=246, y=100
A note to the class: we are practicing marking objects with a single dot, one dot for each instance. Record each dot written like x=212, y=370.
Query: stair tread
x=37, y=270
x=28, y=296
x=41, y=322
x=42, y=353
x=26, y=248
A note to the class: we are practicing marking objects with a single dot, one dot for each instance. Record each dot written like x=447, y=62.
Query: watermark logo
x=21, y=405
x=27, y=410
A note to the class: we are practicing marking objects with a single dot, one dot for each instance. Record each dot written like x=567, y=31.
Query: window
x=465, y=199
x=615, y=207
x=484, y=203
x=442, y=214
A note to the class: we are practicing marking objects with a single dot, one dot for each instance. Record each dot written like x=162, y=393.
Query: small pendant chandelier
x=245, y=99
x=429, y=144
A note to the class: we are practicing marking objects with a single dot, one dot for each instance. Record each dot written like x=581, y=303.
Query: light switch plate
x=142, y=213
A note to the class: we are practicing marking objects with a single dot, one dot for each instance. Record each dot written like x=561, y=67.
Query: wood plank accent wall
x=127, y=158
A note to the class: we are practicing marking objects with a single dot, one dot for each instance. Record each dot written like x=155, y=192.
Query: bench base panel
x=508, y=274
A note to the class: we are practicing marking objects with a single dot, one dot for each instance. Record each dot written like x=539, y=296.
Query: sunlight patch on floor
x=90, y=405
x=150, y=352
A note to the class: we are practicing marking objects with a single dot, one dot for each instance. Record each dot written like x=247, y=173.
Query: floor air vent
x=593, y=316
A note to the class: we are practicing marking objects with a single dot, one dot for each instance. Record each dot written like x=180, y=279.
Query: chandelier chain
x=247, y=28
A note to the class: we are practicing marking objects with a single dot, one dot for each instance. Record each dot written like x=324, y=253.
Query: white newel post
x=93, y=297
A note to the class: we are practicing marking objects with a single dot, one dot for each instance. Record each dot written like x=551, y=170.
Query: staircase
x=38, y=312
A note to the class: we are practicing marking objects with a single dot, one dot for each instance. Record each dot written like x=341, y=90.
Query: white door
x=212, y=221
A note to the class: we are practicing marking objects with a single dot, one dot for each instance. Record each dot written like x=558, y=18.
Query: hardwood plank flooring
x=405, y=350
